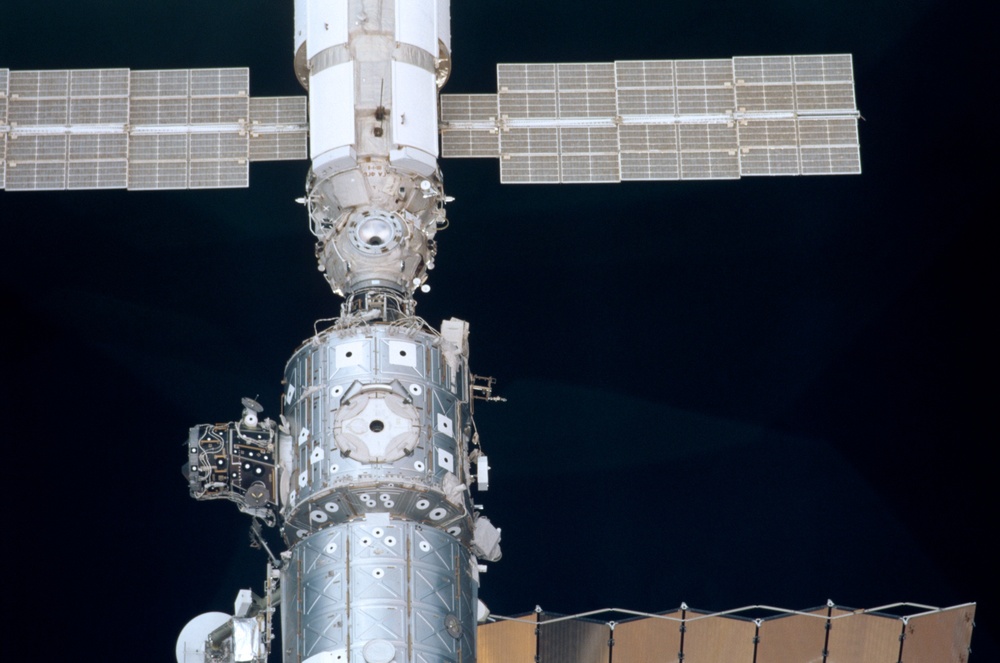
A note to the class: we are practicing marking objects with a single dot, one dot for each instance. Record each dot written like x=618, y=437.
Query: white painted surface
x=416, y=24
x=301, y=21
x=444, y=22
x=327, y=25
x=349, y=354
x=414, y=116
x=331, y=109
x=402, y=353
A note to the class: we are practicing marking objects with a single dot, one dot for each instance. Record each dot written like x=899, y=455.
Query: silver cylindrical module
x=378, y=421
x=371, y=593
x=374, y=491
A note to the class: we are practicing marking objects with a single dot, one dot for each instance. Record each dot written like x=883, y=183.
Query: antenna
x=380, y=112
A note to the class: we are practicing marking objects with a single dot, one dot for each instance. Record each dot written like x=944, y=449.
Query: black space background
x=771, y=391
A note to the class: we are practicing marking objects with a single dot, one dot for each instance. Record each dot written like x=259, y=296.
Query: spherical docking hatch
x=376, y=249
x=376, y=427
x=375, y=232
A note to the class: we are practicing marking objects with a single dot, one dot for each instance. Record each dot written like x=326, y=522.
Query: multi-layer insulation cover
x=374, y=490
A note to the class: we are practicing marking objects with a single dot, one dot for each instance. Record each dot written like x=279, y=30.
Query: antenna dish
x=191, y=641
x=252, y=405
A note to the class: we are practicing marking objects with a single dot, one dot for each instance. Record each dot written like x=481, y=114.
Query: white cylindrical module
x=423, y=23
x=300, y=61
x=393, y=53
x=373, y=69
x=331, y=109
x=414, y=120
x=444, y=28
x=414, y=86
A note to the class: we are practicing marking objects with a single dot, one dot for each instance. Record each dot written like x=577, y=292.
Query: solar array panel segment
x=533, y=77
x=38, y=98
x=97, y=175
x=277, y=110
x=650, y=165
x=939, y=636
x=824, y=83
x=218, y=146
x=648, y=640
x=829, y=146
x=645, y=74
x=98, y=110
x=26, y=112
x=36, y=162
x=676, y=119
x=793, y=638
x=112, y=128
x=573, y=641
x=507, y=641
x=913, y=633
x=647, y=101
x=39, y=84
x=589, y=154
x=832, y=68
x=588, y=140
x=529, y=169
x=98, y=96
x=4, y=77
x=824, y=97
x=157, y=175
x=158, y=161
x=93, y=174
x=226, y=82
x=527, y=90
x=708, y=151
x=289, y=146
x=163, y=111
x=831, y=131
x=528, y=105
x=530, y=140
x=863, y=637
x=770, y=161
x=649, y=152
x=159, y=83
x=219, y=110
x=709, y=166
x=763, y=70
x=99, y=83
x=830, y=160
x=468, y=107
x=768, y=147
x=715, y=639
x=470, y=143
x=35, y=176
x=218, y=174
x=586, y=90
x=270, y=136
x=529, y=155
x=705, y=100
